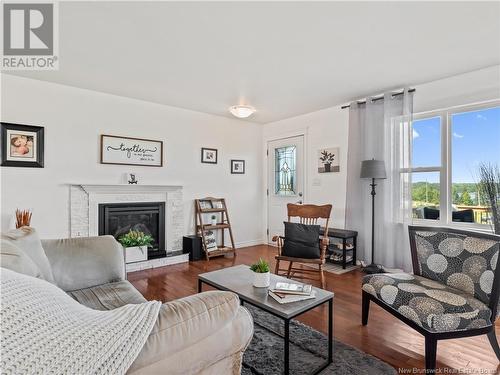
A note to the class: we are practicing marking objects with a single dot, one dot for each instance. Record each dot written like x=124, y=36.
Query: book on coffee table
x=291, y=288
x=288, y=298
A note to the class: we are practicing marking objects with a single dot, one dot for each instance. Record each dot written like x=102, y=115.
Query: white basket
x=136, y=254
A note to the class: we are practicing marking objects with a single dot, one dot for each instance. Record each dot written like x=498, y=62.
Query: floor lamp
x=374, y=169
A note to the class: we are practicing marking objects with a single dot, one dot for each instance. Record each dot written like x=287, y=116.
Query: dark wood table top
x=239, y=279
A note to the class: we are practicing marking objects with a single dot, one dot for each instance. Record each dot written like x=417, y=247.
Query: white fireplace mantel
x=128, y=188
x=85, y=200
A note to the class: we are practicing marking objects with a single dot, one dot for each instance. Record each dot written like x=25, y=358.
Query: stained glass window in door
x=285, y=160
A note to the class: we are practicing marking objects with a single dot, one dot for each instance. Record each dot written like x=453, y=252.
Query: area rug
x=335, y=268
x=308, y=349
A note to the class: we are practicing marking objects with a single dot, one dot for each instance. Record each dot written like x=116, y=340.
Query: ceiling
x=284, y=58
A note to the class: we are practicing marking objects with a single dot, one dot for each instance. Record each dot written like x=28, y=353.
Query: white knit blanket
x=46, y=331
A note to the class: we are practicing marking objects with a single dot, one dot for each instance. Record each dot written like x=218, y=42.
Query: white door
x=285, y=180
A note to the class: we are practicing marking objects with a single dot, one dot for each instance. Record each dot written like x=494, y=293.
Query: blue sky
x=476, y=138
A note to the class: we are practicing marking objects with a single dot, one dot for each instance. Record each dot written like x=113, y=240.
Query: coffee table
x=239, y=279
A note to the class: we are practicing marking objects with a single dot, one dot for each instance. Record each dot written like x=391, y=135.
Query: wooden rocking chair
x=309, y=215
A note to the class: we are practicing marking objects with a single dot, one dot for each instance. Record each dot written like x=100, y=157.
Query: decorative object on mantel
x=132, y=179
x=238, y=166
x=207, y=232
x=209, y=155
x=328, y=160
x=22, y=145
x=131, y=151
x=374, y=169
x=23, y=218
x=262, y=276
x=135, y=244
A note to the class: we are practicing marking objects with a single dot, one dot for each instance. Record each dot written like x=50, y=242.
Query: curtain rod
x=377, y=98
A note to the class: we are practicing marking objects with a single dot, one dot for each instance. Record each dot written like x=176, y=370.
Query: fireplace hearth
x=117, y=219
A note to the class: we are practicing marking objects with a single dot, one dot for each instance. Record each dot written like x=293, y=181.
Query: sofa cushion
x=434, y=306
x=27, y=240
x=301, y=241
x=12, y=258
x=83, y=262
x=108, y=296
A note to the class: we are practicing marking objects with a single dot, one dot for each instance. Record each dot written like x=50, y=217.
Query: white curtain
x=380, y=129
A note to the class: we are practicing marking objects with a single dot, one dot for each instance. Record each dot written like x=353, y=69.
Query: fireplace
x=117, y=219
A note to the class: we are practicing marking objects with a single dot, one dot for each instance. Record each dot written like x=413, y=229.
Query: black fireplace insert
x=118, y=219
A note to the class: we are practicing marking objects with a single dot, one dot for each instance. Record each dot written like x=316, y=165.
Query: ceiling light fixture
x=242, y=111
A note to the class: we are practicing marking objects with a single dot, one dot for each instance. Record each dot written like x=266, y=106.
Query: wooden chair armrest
x=325, y=241
x=279, y=242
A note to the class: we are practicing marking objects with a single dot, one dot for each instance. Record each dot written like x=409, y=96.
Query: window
x=475, y=138
x=447, y=148
x=285, y=159
x=426, y=161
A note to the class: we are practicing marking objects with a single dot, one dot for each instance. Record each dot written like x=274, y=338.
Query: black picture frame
x=233, y=163
x=206, y=161
x=38, y=131
x=105, y=138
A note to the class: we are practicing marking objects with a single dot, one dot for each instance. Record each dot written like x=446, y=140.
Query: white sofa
x=205, y=333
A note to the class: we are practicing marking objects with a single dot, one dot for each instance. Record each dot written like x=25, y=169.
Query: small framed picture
x=205, y=205
x=238, y=166
x=217, y=204
x=209, y=155
x=210, y=241
x=328, y=160
x=22, y=145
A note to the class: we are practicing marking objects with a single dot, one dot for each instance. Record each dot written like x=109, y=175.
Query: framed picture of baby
x=22, y=145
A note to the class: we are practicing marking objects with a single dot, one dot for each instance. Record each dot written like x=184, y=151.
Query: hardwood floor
x=384, y=337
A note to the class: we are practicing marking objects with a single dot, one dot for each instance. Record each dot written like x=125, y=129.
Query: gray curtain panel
x=379, y=129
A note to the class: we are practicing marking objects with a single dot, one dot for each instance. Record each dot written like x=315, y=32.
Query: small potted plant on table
x=136, y=245
x=262, y=276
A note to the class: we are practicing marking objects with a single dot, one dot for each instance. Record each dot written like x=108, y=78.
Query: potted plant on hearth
x=136, y=245
x=262, y=277
x=327, y=159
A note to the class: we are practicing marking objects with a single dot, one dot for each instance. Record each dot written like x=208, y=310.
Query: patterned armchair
x=453, y=292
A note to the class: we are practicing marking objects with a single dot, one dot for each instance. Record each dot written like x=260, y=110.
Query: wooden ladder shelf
x=207, y=232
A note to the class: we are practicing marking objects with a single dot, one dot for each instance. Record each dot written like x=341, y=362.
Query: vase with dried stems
x=23, y=218
x=489, y=188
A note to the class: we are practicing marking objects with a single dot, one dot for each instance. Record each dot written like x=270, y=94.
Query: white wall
x=473, y=87
x=325, y=128
x=75, y=118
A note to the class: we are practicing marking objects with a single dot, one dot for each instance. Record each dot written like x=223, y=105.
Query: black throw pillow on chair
x=301, y=241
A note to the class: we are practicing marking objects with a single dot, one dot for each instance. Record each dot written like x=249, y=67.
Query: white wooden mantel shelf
x=127, y=188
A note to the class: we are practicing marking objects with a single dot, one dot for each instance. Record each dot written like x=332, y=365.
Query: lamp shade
x=373, y=169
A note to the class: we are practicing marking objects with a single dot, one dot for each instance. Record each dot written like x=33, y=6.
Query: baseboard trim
x=250, y=243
